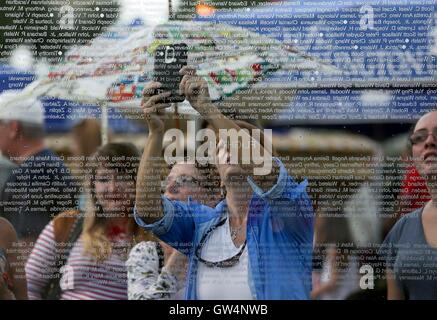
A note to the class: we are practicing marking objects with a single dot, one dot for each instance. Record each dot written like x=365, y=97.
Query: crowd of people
x=132, y=228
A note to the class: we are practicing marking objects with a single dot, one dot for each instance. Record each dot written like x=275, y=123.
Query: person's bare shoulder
x=7, y=233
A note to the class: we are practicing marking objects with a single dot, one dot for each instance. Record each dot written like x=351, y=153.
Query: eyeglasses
x=420, y=136
x=230, y=262
x=181, y=181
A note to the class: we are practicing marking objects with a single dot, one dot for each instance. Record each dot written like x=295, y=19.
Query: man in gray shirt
x=40, y=186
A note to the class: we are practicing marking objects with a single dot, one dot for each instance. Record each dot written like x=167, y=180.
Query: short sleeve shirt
x=414, y=262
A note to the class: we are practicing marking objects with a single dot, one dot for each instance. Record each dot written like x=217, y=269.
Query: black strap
x=160, y=252
x=230, y=262
x=53, y=289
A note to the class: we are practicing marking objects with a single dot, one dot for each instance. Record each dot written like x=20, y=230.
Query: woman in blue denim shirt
x=255, y=244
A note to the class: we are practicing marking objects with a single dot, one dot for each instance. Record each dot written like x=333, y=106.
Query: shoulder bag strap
x=53, y=290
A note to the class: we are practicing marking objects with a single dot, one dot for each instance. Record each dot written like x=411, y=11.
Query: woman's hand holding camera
x=195, y=90
x=153, y=106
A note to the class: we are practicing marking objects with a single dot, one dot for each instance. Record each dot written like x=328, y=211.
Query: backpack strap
x=67, y=228
x=62, y=225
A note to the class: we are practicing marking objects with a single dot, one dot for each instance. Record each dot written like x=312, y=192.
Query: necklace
x=235, y=232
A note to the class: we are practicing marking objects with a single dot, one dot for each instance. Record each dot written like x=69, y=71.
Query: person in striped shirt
x=95, y=267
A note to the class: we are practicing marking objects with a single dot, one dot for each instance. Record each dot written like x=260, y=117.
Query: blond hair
x=94, y=236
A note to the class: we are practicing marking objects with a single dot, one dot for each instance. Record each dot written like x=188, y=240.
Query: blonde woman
x=95, y=264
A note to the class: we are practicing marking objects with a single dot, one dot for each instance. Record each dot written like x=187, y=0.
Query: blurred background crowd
x=340, y=92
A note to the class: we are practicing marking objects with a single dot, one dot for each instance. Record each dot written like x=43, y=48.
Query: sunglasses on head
x=227, y=263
